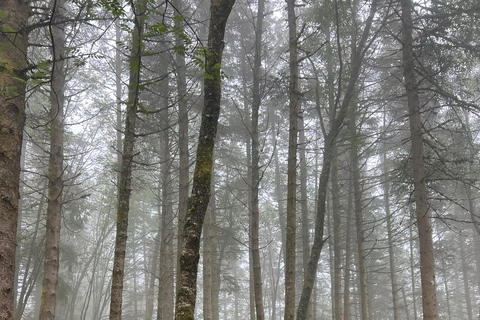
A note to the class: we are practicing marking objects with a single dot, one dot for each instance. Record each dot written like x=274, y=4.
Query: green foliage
x=3, y=14
x=113, y=6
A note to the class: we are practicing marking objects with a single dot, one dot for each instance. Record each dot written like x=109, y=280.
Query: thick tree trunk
x=197, y=203
x=124, y=187
x=55, y=167
x=290, y=251
x=255, y=170
x=418, y=167
x=207, y=260
x=348, y=255
x=12, y=119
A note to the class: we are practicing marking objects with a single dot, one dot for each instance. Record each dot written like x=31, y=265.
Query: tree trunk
x=348, y=255
x=55, y=166
x=255, y=170
x=207, y=259
x=166, y=289
x=197, y=203
x=466, y=286
x=292, y=164
x=184, y=164
x=12, y=119
x=418, y=167
x=391, y=251
x=329, y=139
x=124, y=187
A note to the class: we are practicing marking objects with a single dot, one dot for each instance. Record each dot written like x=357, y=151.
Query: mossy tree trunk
x=124, y=186
x=13, y=61
x=418, y=167
x=198, y=202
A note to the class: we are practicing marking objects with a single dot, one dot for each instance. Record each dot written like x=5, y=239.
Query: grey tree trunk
x=329, y=139
x=294, y=107
x=166, y=290
x=255, y=170
x=124, y=187
x=418, y=167
x=55, y=166
x=197, y=203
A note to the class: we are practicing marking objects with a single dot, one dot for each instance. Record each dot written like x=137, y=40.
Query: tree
x=294, y=109
x=418, y=167
x=255, y=170
x=124, y=187
x=330, y=140
x=55, y=166
x=13, y=63
x=198, y=201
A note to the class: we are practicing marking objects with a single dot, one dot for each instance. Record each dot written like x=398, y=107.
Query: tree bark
x=55, y=166
x=290, y=251
x=197, y=203
x=418, y=167
x=184, y=164
x=124, y=187
x=13, y=61
x=255, y=170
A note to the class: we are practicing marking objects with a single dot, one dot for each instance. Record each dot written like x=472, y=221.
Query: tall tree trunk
x=294, y=107
x=184, y=164
x=337, y=251
x=124, y=187
x=255, y=170
x=12, y=120
x=329, y=139
x=55, y=165
x=418, y=167
x=304, y=201
x=166, y=289
x=207, y=259
x=197, y=203
x=348, y=255
x=412, y=267
x=388, y=216
x=466, y=279
x=362, y=263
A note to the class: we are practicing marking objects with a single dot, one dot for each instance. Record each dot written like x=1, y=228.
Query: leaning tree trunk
x=309, y=278
x=418, y=167
x=124, y=186
x=255, y=170
x=13, y=62
x=197, y=203
x=55, y=167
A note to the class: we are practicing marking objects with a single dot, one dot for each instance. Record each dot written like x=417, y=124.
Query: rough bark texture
x=337, y=259
x=124, y=187
x=309, y=278
x=197, y=203
x=255, y=171
x=290, y=250
x=418, y=167
x=55, y=167
x=13, y=62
